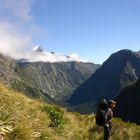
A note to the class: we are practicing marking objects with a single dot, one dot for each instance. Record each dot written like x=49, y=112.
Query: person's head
x=111, y=103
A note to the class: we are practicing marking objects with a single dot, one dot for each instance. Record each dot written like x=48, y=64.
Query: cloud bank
x=15, y=35
x=13, y=43
x=20, y=9
x=17, y=29
x=38, y=54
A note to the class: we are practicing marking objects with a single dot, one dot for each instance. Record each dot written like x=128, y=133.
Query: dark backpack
x=101, y=114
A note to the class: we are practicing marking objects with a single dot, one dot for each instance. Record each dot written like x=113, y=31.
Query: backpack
x=101, y=113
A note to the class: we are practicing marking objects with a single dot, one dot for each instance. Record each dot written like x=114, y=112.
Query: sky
x=90, y=29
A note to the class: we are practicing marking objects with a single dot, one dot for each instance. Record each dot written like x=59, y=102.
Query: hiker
x=108, y=121
x=100, y=114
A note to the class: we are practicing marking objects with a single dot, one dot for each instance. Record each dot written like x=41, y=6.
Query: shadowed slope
x=117, y=71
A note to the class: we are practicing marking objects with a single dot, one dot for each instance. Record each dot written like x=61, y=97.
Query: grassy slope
x=22, y=118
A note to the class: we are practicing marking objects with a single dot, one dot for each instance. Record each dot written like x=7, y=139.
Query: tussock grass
x=22, y=118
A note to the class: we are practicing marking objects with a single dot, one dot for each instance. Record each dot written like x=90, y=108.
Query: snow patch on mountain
x=38, y=49
x=38, y=54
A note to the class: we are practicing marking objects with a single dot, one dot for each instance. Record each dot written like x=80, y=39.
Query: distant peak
x=38, y=49
x=125, y=50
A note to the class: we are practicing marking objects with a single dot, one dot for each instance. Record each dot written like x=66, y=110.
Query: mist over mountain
x=37, y=54
x=117, y=72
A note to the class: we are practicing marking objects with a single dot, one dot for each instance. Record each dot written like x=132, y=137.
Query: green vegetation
x=22, y=118
x=57, y=80
x=57, y=119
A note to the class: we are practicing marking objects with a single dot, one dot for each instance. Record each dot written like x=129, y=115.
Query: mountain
x=128, y=102
x=53, y=81
x=118, y=71
x=57, y=80
x=9, y=76
x=38, y=49
x=7, y=70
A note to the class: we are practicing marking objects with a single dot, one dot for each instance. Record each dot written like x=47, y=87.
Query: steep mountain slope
x=53, y=81
x=9, y=76
x=57, y=80
x=117, y=71
x=128, y=102
x=7, y=69
x=22, y=118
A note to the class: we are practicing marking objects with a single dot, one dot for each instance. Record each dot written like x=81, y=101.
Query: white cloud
x=39, y=55
x=13, y=43
x=16, y=27
x=53, y=57
x=17, y=8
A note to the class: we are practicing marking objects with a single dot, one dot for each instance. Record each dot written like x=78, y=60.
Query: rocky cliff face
x=54, y=81
x=7, y=69
x=117, y=72
x=57, y=80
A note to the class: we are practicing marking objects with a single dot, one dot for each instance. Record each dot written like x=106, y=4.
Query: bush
x=56, y=116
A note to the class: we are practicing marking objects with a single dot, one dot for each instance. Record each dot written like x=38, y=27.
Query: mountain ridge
x=117, y=72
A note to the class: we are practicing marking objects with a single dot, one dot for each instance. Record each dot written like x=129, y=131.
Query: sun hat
x=111, y=102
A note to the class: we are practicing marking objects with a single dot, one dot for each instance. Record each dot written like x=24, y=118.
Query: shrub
x=56, y=116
